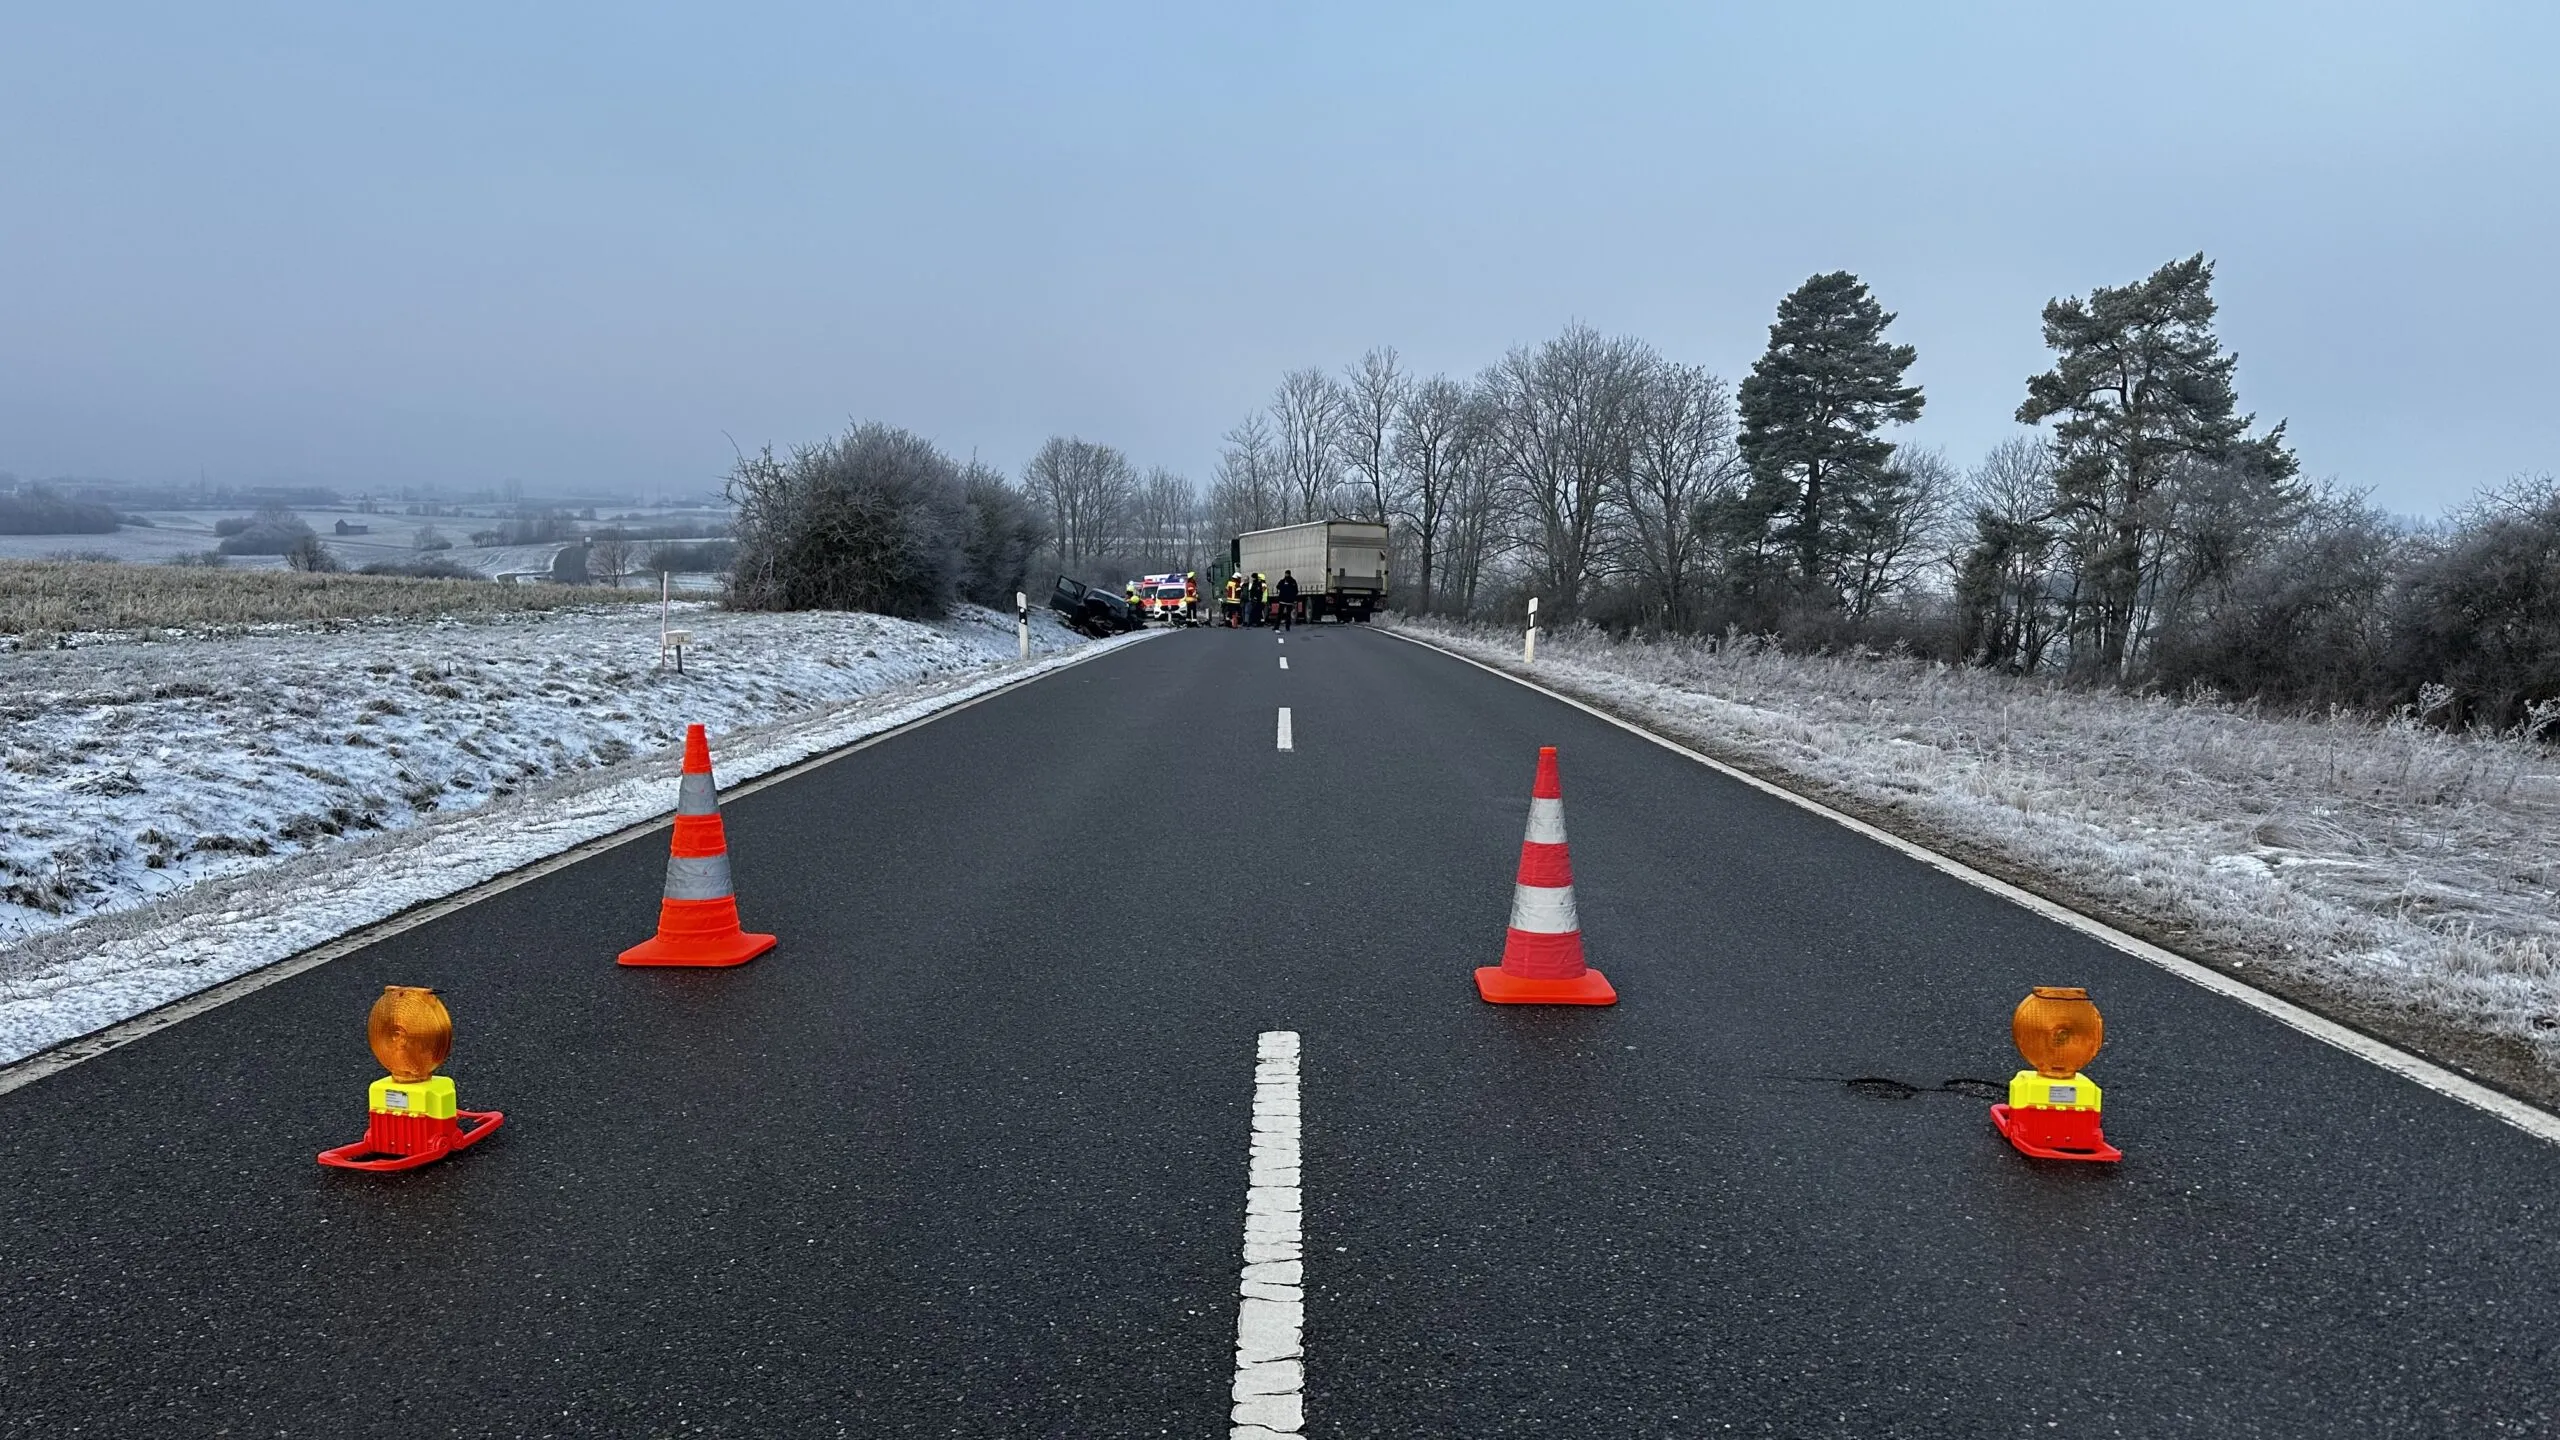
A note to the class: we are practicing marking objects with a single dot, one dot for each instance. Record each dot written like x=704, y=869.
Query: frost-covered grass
x=2391, y=868
x=133, y=769
x=175, y=814
x=51, y=598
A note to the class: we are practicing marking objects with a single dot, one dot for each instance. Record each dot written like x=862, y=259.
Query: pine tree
x=2143, y=388
x=1810, y=412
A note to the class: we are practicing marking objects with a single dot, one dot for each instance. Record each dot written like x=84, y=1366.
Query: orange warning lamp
x=2056, y=1027
x=2053, y=1109
x=410, y=1116
x=410, y=1031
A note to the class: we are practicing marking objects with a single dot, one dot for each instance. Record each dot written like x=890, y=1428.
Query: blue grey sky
x=373, y=245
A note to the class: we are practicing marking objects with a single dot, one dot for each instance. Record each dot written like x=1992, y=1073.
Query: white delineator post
x=1021, y=625
x=1529, y=642
x=1271, y=1313
x=665, y=580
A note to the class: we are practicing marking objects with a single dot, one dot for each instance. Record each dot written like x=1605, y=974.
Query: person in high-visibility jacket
x=1232, y=603
x=1190, y=597
x=1257, y=594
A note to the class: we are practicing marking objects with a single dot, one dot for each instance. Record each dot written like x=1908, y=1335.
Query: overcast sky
x=580, y=245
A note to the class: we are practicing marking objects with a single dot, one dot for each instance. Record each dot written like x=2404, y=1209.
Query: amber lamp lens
x=2057, y=1029
x=410, y=1031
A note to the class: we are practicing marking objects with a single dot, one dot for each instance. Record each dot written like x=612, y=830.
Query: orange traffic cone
x=698, y=918
x=1542, y=958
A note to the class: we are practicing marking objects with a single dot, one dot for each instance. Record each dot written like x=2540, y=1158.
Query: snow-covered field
x=387, y=538
x=176, y=813
x=173, y=533
x=2389, y=872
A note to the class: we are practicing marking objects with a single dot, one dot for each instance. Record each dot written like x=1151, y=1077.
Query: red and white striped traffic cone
x=698, y=913
x=1542, y=958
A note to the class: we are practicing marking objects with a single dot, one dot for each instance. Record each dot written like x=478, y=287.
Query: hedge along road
x=968, y=1153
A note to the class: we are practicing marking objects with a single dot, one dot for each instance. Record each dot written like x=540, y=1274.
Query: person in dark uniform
x=1288, y=599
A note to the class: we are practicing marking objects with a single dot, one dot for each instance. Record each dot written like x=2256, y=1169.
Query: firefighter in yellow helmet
x=1230, y=601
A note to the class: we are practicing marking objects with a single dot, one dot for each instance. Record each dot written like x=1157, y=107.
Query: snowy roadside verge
x=80, y=977
x=2387, y=875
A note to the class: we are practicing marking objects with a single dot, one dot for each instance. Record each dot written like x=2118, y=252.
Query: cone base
x=362, y=1155
x=735, y=949
x=2041, y=1140
x=1500, y=987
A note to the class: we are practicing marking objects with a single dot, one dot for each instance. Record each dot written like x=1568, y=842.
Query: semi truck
x=1341, y=565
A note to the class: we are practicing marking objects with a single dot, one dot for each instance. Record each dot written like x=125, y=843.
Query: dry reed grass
x=41, y=599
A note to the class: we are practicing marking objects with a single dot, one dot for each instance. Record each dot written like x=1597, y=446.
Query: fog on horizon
x=586, y=248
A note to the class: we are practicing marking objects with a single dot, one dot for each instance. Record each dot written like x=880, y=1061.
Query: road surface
x=967, y=1154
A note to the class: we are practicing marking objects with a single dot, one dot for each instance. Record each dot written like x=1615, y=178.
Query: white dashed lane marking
x=1284, y=662
x=1284, y=729
x=1271, y=1309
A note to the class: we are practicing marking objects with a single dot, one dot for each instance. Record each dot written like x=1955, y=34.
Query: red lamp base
x=405, y=1142
x=2054, y=1134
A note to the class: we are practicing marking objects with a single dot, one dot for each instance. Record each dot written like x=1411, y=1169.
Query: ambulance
x=1162, y=596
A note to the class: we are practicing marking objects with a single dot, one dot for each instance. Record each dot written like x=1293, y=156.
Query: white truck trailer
x=1341, y=565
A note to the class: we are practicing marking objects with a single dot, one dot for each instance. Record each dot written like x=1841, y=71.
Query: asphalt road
x=966, y=1155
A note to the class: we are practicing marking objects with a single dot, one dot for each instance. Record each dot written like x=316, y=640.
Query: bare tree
x=609, y=555
x=1563, y=426
x=1163, y=512
x=1893, y=527
x=1087, y=489
x=1373, y=399
x=1245, y=495
x=2008, y=600
x=1430, y=421
x=1480, y=515
x=1683, y=455
x=1308, y=411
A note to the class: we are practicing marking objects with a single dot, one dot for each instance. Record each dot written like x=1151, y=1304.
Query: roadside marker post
x=1529, y=641
x=1021, y=625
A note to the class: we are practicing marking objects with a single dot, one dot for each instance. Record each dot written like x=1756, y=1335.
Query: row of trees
x=2142, y=530
x=40, y=510
x=1615, y=482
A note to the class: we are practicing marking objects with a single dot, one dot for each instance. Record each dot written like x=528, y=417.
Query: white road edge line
x=2531, y=1119
x=1284, y=729
x=1271, y=1306
x=71, y=1052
